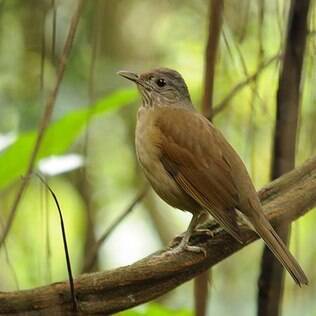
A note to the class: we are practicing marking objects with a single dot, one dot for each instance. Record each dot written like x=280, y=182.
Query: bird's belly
x=163, y=184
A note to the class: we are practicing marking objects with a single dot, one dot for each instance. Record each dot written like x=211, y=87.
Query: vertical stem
x=216, y=8
x=201, y=293
x=82, y=182
x=271, y=279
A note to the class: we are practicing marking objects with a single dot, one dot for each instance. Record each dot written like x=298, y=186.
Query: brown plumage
x=193, y=168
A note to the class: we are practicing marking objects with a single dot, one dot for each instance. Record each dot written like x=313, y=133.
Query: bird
x=192, y=167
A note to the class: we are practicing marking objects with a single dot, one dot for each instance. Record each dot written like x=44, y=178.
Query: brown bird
x=192, y=167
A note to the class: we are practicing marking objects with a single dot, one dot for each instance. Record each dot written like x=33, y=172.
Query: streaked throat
x=146, y=98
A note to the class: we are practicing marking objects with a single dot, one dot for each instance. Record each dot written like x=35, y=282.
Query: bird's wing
x=192, y=154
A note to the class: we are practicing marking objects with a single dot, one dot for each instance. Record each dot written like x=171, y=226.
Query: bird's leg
x=202, y=231
x=184, y=244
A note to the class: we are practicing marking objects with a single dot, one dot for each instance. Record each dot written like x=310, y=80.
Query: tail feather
x=276, y=245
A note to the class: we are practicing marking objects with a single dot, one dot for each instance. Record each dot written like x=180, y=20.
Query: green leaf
x=58, y=136
x=156, y=310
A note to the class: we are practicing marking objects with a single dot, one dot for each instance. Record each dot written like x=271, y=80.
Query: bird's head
x=160, y=87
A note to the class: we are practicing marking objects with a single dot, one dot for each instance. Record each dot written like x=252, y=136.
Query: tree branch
x=286, y=198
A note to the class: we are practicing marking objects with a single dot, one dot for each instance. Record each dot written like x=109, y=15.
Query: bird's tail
x=278, y=248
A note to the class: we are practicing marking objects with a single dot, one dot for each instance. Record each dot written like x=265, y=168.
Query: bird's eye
x=160, y=82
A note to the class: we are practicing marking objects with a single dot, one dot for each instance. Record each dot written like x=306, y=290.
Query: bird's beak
x=129, y=75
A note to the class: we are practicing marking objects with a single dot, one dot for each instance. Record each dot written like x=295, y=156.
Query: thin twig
x=91, y=258
x=45, y=118
x=8, y=260
x=43, y=54
x=95, y=35
x=63, y=232
x=244, y=67
x=54, y=20
x=223, y=104
x=245, y=22
x=83, y=184
x=46, y=241
x=251, y=130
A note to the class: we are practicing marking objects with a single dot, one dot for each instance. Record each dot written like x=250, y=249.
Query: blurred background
x=88, y=155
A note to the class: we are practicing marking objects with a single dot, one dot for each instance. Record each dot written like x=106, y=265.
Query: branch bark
x=103, y=293
x=271, y=279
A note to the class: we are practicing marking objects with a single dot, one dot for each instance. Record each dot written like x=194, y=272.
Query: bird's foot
x=199, y=232
x=196, y=249
x=184, y=246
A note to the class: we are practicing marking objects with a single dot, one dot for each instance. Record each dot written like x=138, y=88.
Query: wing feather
x=199, y=167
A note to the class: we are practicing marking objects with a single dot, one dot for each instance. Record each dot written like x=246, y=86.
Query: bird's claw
x=203, y=231
x=196, y=249
x=185, y=247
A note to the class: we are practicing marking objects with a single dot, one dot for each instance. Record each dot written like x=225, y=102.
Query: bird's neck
x=148, y=103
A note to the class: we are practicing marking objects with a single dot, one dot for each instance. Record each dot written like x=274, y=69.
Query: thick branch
x=287, y=198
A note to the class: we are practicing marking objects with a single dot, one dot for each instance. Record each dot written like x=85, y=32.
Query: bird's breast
x=147, y=140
